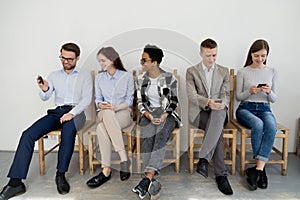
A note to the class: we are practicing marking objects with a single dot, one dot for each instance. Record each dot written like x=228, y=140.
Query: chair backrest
x=92, y=106
x=178, y=108
x=232, y=94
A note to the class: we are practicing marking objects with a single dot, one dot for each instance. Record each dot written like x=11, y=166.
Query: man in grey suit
x=208, y=93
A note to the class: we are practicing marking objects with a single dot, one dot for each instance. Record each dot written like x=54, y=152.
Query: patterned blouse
x=167, y=90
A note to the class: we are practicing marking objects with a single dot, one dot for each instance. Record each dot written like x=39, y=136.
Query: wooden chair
x=229, y=139
x=93, y=146
x=173, y=144
x=282, y=133
x=80, y=140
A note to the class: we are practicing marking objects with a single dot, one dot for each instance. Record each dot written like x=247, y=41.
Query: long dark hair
x=112, y=55
x=255, y=47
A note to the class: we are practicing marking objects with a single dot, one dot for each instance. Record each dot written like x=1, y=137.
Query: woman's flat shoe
x=98, y=180
x=124, y=170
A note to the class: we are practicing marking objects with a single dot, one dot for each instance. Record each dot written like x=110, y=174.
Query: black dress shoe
x=202, y=167
x=223, y=185
x=98, y=180
x=63, y=186
x=252, y=178
x=9, y=191
x=124, y=170
x=262, y=179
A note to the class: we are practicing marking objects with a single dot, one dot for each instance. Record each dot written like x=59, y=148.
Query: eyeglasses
x=143, y=60
x=67, y=59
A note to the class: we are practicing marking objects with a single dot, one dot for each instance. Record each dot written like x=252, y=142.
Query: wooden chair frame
x=229, y=139
x=80, y=147
x=282, y=132
x=173, y=143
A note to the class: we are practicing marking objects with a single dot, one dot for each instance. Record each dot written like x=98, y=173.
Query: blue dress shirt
x=73, y=89
x=115, y=89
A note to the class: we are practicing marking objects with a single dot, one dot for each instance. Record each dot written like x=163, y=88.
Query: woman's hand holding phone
x=105, y=105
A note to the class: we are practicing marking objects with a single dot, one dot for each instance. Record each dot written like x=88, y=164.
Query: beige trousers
x=109, y=132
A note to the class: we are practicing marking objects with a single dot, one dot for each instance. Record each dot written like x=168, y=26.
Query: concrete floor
x=183, y=186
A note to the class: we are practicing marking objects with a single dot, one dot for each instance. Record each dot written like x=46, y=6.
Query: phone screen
x=261, y=85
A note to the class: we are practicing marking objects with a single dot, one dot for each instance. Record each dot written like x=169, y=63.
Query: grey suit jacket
x=197, y=90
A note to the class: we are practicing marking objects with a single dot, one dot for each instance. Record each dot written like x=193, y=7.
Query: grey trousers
x=212, y=148
x=154, y=139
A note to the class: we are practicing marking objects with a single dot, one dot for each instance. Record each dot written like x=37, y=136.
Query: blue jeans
x=259, y=118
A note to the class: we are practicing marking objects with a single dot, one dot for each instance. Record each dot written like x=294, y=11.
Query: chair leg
x=129, y=149
x=285, y=152
x=243, y=152
x=138, y=151
x=233, y=152
x=81, y=152
x=177, y=162
x=91, y=152
x=41, y=156
x=191, y=150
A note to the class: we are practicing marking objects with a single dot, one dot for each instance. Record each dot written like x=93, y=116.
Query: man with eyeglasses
x=73, y=94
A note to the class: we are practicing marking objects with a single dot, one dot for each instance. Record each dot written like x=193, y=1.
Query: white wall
x=32, y=32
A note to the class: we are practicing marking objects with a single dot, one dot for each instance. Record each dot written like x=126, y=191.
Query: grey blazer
x=197, y=90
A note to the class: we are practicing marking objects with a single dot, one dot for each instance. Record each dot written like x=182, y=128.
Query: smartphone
x=40, y=79
x=261, y=85
x=105, y=103
x=218, y=101
x=156, y=119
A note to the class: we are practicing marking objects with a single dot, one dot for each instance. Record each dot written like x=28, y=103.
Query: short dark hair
x=155, y=53
x=208, y=43
x=71, y=47
x=112, y=55
x=255, y=47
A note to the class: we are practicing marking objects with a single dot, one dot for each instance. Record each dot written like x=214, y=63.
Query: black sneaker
x=154, y=189
x=262, y=179
x=142, y=188
x=252, y=178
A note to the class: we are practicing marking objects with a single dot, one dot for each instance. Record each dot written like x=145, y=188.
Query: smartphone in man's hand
x=218, y=101
x=261, y=85
x=40, y=79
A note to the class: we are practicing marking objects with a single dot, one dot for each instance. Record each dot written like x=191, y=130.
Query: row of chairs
x=231, y=148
